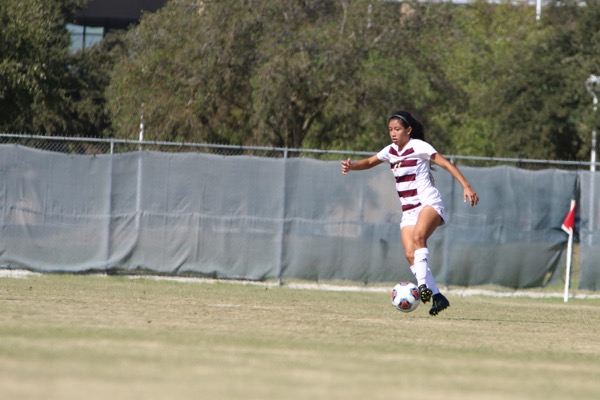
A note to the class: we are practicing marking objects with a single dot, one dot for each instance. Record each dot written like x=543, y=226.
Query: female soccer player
x=423, y=210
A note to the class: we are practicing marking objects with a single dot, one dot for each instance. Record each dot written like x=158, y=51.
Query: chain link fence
x=96, y=146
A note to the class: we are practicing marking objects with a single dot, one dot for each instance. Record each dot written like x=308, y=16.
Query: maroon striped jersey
x=411, y=169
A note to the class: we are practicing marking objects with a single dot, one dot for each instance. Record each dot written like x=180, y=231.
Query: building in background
x=102, y=16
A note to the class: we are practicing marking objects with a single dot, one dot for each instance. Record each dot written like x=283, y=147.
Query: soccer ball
x=406, y=296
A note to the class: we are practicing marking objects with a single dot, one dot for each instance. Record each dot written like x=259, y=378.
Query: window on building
x=83, y=37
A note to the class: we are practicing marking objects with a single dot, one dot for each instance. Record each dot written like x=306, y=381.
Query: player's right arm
x=365, y=163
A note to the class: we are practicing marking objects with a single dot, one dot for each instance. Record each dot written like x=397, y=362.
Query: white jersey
x=411, y=168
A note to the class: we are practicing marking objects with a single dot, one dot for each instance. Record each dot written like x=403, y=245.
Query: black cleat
x=425, y=293
x=440, y=303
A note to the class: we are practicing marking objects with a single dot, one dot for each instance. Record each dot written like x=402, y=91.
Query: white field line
x=16, y=273
x=464, y=292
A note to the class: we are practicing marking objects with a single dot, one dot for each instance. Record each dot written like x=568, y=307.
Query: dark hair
x=406, y=119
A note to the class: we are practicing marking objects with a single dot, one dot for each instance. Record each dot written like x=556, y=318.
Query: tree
x=486, y=79
x=405, y=71
x=574, y=39
x=524, y=79
x=482, y=38
x=44, y=89
x=287, y=73
x=307, y=86
x=188, y=71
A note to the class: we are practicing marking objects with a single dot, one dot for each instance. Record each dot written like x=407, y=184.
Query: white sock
x=431, y=284
x=422, y=272
x=420, y=267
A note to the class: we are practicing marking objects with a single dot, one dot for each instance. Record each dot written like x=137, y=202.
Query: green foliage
x=187, y=70
x=572, y=45
x=485, y=79
x=307, y=87
x=481, y=38
x=43, y=88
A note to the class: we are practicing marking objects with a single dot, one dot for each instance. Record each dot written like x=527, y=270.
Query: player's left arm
x=469, y=193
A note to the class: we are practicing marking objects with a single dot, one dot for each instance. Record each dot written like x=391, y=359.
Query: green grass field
x=93, y=337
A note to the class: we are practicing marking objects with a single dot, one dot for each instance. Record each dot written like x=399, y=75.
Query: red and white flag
x=568, y=224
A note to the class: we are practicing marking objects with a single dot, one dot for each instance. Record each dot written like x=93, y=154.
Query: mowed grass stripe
x=72, y=336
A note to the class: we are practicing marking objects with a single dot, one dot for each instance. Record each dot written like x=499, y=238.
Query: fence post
x=446, y=234
x=282, y=227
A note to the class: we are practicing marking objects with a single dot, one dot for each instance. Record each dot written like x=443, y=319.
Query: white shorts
x=410, y=217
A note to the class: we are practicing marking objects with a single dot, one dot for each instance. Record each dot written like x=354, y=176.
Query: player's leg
x=408, y=243
x=406, y=234
x=419, y=270
x=428, y=221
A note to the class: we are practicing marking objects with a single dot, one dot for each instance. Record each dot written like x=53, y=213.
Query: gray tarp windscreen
x=264, y=218
x=589, y=232
x=513, y=237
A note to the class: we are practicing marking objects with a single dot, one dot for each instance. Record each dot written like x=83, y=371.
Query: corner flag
x=568, y=226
